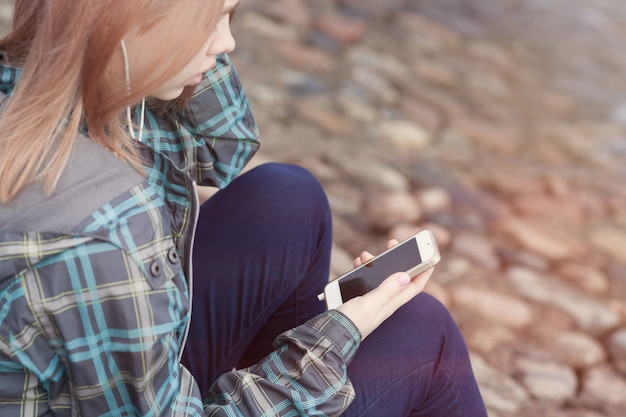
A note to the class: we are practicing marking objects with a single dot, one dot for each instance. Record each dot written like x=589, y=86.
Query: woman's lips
x=196, y=79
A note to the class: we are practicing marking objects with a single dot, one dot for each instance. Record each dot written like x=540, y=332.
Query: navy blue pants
x=262, y=255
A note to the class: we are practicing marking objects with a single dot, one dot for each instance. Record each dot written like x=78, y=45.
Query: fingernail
x=403, y=280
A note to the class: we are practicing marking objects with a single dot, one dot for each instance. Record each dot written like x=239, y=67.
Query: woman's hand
x=368, y=311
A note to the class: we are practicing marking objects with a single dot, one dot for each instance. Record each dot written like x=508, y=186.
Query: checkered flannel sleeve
x=305, y=376
x=215, y=138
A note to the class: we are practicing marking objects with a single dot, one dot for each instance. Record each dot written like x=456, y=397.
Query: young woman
x=111, y=112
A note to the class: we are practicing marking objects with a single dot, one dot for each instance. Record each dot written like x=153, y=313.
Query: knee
x=278, y=173
x=431, y=317
x=292, y=183
x=433, y=310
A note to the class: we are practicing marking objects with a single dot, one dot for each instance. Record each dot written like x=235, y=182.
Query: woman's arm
x=116, y=341
x=216, y=137
x=106, y=328
x=305, y=375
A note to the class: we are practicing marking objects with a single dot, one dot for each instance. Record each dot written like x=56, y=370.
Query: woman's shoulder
x=92, y=178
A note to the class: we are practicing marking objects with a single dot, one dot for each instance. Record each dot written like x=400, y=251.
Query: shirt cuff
x=340, y=330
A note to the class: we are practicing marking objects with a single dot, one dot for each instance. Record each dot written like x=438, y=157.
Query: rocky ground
x=409, y=124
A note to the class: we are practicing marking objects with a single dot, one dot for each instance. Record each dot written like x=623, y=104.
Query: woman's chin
x=168, y=95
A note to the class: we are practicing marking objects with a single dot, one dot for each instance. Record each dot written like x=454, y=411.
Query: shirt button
x=172, y=255
x=155, y=269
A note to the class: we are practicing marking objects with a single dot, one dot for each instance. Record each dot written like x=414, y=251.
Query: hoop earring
x=143, y=100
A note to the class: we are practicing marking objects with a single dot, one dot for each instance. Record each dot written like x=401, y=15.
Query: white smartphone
x=413, y=256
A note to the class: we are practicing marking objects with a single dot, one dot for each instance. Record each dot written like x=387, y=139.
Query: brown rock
x=422, y=27
x=387, y=209
x=372, y=174
x=306, y=58
x=488, y=136
x=617, y=349
x=404, y=135
x=358, y=109
x=435, y=73
x=544, y=207
x=493, y=55
x=347, y=30
x=584, y=276
x=478, y=249
x=293, y=12
x=434, y=199
x=263, y=27
x=604, y=388
x=544, y=238
x=488, y=338
x=590, y=314
x=403, y=231
x=495, y=307
x=446, y=103
x=610, y=240
x=422, y=113
x=375, y=6
x=324, y=118
x=515, y=183
x=500, y=392
x=578, y=350
x=559, y=104
x=547, y=380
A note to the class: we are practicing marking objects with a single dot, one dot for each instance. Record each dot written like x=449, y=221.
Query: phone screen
x=402, y=258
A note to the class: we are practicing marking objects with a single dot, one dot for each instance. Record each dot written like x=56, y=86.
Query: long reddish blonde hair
x=67, y=50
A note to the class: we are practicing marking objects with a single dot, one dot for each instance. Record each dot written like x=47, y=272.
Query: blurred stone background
x=501, y=126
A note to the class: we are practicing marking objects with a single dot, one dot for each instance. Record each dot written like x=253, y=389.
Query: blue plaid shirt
x=94, y=300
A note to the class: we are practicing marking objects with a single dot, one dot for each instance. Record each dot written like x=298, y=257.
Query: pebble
x=547, y=380
x=477, y=248
x=425, y=114
x=293, y=12
x=617, y=349
x=493, y=306
x=347, y=30
x=578, y=350
x=544, y=238
x=404, y=135
x=589, y=314
x=355, y=107
x=487, y=339
x=610, y=240
x=433, y=199
x=373, y=173
x=384, y=210
x=500, y=392
x=260, y=25
x=603, y=388
x=587, y=277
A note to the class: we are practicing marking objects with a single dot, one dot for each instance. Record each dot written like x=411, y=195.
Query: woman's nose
x=224, y=42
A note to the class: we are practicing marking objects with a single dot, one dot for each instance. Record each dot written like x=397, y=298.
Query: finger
x=370, y=310
x=391, y=243
x=364, y=257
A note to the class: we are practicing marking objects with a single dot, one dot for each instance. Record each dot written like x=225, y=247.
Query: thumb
x=393, y=285
x=400, y=288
